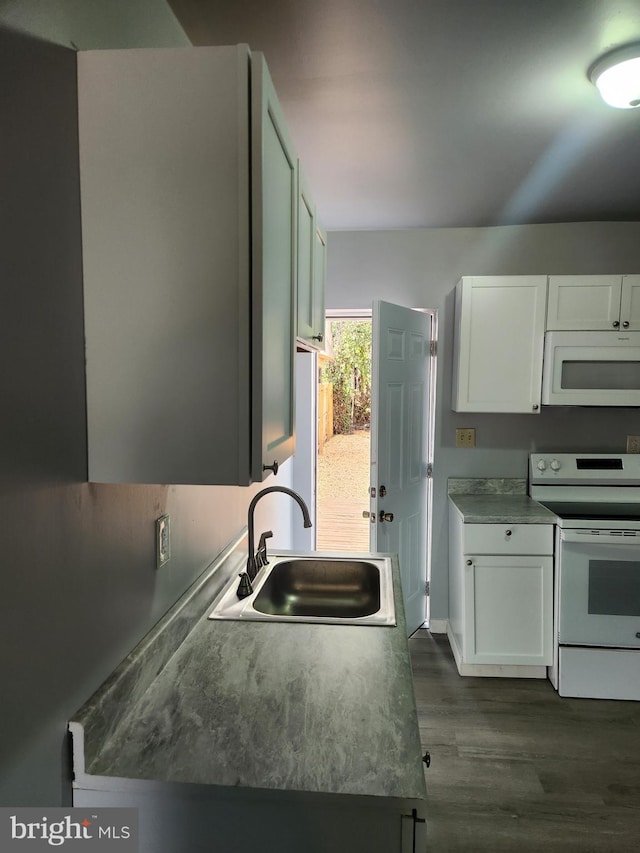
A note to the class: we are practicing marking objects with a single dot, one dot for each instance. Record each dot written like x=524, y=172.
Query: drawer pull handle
x=507, y=533
x=469, y=562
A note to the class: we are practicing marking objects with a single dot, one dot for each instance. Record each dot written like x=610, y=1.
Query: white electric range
x=596, y=497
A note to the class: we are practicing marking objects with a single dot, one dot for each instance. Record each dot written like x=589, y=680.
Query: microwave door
x=591, y=369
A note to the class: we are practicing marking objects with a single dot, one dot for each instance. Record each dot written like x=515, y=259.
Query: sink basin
x=339, y=588
x=327, y=589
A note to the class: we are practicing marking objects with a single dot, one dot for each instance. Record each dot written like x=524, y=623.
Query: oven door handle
x=601, y=537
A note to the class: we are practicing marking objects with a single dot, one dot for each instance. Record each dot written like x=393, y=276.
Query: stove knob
x=542, y=465
x=555, y=465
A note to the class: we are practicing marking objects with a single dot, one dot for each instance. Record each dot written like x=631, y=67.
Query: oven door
x=599, y=590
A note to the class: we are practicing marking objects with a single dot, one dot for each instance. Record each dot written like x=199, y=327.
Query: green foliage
x=350, y=373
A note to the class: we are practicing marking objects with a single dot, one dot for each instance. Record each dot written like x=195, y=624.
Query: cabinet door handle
x=616, y=324
x=416, y=820
x=318, y=338
x=469, y=562
x=507, y=532
x=273, y=467
x=625, y=324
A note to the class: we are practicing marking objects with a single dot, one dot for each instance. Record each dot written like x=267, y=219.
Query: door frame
x=367, y=314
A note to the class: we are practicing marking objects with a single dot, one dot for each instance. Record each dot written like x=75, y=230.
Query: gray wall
x=77, y=561
x=419, y=268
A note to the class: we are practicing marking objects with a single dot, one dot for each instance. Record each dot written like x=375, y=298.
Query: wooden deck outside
x=340, y=525
x=343, y=483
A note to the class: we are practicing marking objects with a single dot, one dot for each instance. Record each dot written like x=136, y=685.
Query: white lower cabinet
x=505, y=618
x=501, y=597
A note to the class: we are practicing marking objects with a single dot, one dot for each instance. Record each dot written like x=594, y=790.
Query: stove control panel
x=545, y=464
x=542, y=464
x=584, y=468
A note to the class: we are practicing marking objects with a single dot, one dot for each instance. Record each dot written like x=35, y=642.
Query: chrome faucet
x=257, y=559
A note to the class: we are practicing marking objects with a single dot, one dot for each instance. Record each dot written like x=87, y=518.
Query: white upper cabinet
x=312, y=247
x=630, y=302
x=593, y=302
x=499, y=338
x=188, y=190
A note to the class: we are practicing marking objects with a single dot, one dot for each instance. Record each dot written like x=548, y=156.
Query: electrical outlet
x=466, y=437
x=163, y=540
x=633, y=444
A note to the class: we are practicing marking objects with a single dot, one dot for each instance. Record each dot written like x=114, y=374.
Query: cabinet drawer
x=508, y=538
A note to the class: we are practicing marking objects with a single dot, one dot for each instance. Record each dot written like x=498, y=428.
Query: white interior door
x=400, y=468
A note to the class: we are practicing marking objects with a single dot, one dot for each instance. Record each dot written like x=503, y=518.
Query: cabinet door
x=312, y=262
x=499, y=343
x=630, y=303
x=319, y=281
x=508, y=610
x=164, y=183
x=584, y=302
x=274, y=192
x=306, y=245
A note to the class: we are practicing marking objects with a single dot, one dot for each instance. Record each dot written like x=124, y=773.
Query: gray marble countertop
x=498, y=509
x=496, y=501
x=304, y=707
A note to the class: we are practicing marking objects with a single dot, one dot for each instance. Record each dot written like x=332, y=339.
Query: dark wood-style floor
x=515, y=767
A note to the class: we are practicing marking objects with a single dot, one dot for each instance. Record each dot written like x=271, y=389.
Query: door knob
x=385, y=516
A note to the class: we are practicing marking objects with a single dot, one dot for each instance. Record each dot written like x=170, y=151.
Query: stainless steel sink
x=330, y=589
x=341, y=588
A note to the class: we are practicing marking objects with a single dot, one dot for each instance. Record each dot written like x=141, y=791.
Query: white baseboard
x=438, y=626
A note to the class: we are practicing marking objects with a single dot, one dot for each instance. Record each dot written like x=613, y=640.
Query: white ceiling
x=444, y=113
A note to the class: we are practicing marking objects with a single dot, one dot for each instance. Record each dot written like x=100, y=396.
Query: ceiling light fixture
x=617, y=76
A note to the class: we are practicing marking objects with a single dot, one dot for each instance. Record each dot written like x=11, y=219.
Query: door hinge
x=433, y=348
x=427, y=587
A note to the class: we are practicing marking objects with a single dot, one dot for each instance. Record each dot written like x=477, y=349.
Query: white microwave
x=591, y=369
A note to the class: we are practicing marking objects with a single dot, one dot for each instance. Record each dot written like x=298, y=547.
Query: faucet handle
x=268, y=534
x=261, y=553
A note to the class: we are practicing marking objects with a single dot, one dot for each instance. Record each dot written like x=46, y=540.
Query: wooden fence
x=325, y=414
